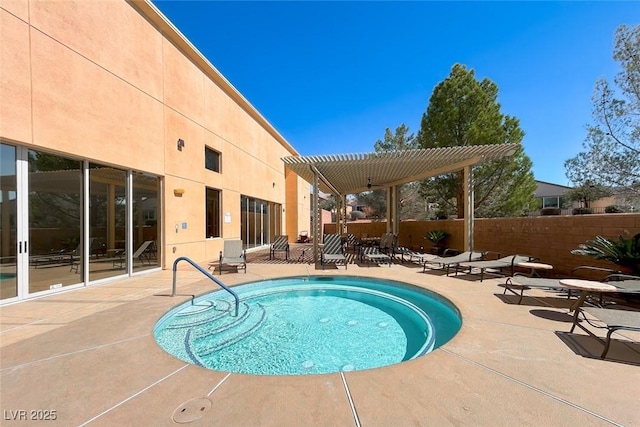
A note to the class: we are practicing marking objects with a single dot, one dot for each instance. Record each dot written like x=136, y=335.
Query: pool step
x=203, y=313
x=205, y=341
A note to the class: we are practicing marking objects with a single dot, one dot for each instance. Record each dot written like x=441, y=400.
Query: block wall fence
x=549, y=238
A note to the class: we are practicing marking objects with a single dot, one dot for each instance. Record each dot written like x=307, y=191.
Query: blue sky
x=332, y=76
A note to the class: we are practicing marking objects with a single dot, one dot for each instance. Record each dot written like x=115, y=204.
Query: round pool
x=308, y=325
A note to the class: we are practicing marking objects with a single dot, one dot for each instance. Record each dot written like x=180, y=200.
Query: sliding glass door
x=66, y=222
x=8, y=223
x=261, y=221
x=55, y=221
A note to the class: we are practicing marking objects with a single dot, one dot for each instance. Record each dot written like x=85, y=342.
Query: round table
x=586, y=286
x=535, y=266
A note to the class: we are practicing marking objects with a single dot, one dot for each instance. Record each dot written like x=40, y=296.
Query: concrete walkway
x=88, y=357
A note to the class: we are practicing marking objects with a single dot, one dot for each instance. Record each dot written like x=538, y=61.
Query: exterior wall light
x=180, y=144
x=178, y=192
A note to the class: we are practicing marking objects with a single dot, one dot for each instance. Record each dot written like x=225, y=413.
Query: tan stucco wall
x=99, y=81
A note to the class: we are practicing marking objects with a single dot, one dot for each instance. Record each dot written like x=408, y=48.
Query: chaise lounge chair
x=280, y=244
x=333, y=251
x=521, y=282
x=375, y=253
x=453, y=261
x=611, y=319
x=498, y=265
x=231, y=255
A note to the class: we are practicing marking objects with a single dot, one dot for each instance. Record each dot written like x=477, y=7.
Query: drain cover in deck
x=191, y=410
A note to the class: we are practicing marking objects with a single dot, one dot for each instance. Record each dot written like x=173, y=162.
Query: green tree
x=463, y=111
x=586, y=194
x=376, y=200
x=611, y=155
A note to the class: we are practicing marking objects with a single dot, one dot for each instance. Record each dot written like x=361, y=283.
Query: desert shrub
x=550, y=211
x=581, y=211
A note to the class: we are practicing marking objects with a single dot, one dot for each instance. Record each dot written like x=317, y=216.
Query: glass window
x=213, y=213
x=55, y=221
x=107, y=222
x=211, y=159
x=146, y=189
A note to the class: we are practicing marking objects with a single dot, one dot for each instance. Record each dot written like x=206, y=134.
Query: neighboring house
x=115, y=128
x=550, y=195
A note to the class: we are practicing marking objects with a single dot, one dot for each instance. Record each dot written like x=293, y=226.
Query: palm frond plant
x=621, y=251
x=437, y=237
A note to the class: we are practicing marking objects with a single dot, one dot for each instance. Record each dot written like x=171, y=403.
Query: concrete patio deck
x=90, y=356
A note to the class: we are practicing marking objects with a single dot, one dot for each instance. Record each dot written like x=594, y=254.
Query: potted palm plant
x=623, y=252
x=437, y=237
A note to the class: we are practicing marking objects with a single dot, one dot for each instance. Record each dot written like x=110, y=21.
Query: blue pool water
x=308, y=325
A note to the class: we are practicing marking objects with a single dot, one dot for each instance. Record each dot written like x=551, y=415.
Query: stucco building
x=123, y=148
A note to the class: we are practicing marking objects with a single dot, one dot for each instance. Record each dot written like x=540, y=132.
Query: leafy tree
x=376, y=200
x=586, y=194
x=463, y=111
x=611, y=153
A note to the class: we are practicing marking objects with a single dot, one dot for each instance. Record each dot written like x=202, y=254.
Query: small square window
x=211, y=159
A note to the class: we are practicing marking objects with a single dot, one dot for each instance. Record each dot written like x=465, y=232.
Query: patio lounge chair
x=280, y=244
x=453, y=261
x=333, y=250
x=611, y=319
x=625, y=282
x=498, y=265
x=521, y=282
x=233, y=255
x=375, y=253
x=412, y=255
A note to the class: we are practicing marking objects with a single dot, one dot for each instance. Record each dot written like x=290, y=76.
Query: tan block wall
x=549, y=238
x=109, y=82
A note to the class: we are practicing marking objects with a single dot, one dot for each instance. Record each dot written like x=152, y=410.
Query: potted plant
x=622, y=252
x=437, y=237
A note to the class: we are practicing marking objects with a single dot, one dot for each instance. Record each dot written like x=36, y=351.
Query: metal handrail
x=206, y=273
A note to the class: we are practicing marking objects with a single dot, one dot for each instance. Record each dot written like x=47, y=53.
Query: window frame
x=216, y=225
x=218, y=159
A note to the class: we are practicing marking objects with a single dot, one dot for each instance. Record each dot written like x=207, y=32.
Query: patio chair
x=412, y=255
x=521, y=282
x=606, y=318
x=333, y=250
x=280, y=244
x=375, y=254
x=625, y=282
x=233, y=255
x=496, y=266
x=387, y=244
x=452, y=261
x=351, y=242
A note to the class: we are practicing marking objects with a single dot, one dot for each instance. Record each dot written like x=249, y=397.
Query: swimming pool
x=308, y=325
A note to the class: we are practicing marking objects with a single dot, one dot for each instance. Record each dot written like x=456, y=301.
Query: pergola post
x=344, y=213
x=396, y=209
x=389, y=209
x=468, y=208
x=315, y=233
